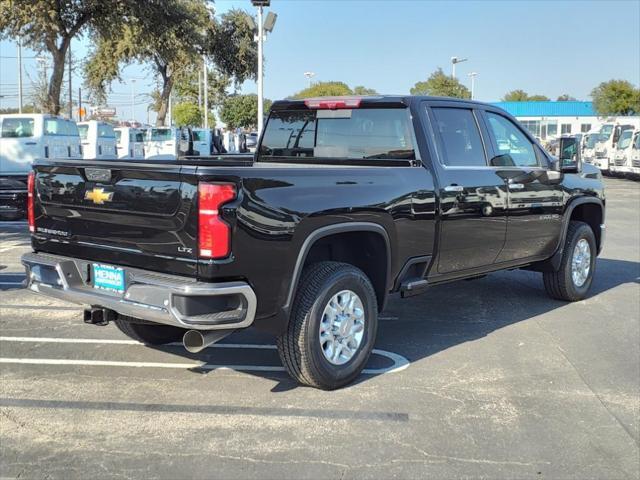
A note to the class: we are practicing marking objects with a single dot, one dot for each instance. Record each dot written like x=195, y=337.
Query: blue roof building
x=548, y=109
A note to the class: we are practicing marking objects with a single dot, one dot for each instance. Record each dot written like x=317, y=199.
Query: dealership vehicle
x=347, y=201
x=588, y=151
x=634, y=160
x=162, y=143
x=98, y=140
x=129, y=143
x=252, y=141
x=25, y=138
x=622, y=154
x=608, y=139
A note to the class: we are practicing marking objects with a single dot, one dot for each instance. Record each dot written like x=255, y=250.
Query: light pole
x=205, y=75
x=473, y=83
x=454, y=61
x=19, y=75
x=133, y=100
x=309, y=76
x=259, y=38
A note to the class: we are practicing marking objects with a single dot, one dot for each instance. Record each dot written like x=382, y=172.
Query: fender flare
x=557, y=257
x=332, y=230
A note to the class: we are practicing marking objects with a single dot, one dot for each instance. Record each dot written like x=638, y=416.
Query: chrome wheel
x=581, y=262
x=342, y=327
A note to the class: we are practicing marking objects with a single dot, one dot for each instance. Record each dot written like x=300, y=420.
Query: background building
x=548, y=120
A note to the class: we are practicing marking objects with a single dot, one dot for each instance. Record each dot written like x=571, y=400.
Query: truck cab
x=162, y=143
x=607, y=141
x=622, y=156
x=98, y=140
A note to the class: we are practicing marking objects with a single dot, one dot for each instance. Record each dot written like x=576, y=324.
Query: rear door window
x=106, y=131
x=54, y=126
x=17, y=127
x=367, y=133
x=459, y=137
x=160, y=134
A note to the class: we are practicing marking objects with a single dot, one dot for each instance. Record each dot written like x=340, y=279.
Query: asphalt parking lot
x=481, y=379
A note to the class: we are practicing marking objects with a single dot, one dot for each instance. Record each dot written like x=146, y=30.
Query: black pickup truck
x=346, y=201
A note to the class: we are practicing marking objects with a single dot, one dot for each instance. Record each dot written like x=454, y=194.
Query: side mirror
x=570, y=158
x=185, y=142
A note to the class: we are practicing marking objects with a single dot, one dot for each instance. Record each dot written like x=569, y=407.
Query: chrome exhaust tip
x=195, y=341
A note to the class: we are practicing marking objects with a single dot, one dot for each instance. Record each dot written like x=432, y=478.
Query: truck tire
x=332, y=327
x=573, y=280
x=148, y=333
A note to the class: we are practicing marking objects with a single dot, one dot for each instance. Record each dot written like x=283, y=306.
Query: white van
x=634, y=157
x=98, y=140
x=25, y=138
x=622, y=155
x=589, y=146
x=161, y=143
x=129, y=143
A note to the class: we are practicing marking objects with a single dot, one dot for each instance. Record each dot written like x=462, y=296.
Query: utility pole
x=206, y=93
x=133, y=99
x=200, y=88
x=473, y=84
x=79, y=104
x=70, y=90
x=260, y=73
x=19, y=75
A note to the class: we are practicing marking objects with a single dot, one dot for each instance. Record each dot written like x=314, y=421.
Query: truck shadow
x=443, y=317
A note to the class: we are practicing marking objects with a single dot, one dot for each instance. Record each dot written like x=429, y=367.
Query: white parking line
x=399, y=362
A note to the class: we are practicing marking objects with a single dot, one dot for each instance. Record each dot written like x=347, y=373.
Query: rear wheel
x=148, y=333
x=333, y=325
x=573, y=280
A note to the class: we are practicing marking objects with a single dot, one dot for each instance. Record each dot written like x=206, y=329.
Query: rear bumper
x=156, y=297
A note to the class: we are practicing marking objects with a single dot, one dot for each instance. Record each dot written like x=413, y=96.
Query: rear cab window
x=348, y=134
x=17, y=127
x=106, y=131
x=160, y=134
x=459, y=137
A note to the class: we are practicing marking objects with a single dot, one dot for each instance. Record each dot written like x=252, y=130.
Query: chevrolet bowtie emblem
x=98, y=196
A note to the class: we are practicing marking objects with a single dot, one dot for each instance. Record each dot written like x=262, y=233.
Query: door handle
x=454, y=188
x=516, y=186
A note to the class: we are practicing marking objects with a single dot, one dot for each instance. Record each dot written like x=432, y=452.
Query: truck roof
x=373, y=100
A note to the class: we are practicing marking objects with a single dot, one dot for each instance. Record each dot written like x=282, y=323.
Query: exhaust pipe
x=197, y=340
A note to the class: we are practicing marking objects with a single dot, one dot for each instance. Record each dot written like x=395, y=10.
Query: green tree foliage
x=187, y=114
x=360, y=90
x=324, y=89
x=441, y=85
x=522, y=96
x=171, y=39
x=616, y=97
x=565, y=97
x=242, y=111
x=50, y=25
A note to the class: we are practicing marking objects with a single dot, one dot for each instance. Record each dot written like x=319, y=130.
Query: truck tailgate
x=124, y=213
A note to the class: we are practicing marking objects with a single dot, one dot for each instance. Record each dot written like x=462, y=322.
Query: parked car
x=607, y=140
x=252, y=141
x=98, y=140
x=129, y=143
x=348, y=200
x=25, y=138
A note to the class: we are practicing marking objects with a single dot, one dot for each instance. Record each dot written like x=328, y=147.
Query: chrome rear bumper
x=156, y=297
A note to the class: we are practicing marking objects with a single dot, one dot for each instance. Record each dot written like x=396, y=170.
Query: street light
x=268, y=25
x=133, y=99
x=473, y=83
x=309, y=76
x=455, y=60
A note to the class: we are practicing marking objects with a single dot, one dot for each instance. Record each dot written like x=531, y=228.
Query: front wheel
x=573, y=280
x=332, y=328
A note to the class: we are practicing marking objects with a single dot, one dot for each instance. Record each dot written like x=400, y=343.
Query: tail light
x=333, y=103
x=30, y=199
x=214, y=234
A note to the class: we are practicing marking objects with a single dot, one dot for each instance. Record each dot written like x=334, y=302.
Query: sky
x=542, y=47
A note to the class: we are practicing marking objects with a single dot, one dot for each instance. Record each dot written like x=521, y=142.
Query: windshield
x=625, y=139
x=198, y=136
x=368, y=133
x=160, y=134
x=636, y=142
x=605, y=132
x=83, y=130
x=592, y=139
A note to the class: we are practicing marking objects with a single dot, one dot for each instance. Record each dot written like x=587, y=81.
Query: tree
x=187, y=114
x=360, y=90
x=324, y=89
x=616, y=97
x=522, y=96
x=170, y=39
x=242, y=111
x=441, y=85
x=565, y=97
x=48, y=25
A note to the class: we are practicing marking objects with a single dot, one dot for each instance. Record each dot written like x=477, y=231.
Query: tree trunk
x=59, y=56
x=167, y=85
